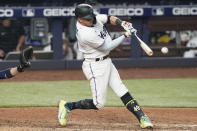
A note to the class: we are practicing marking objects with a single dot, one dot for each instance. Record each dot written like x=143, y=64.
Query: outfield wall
x=139, y=15
x=119, y=63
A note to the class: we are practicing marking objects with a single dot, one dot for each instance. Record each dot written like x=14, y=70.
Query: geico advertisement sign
x=126, y=12
x=6, y=13
x=184, y=11
x=59, y=12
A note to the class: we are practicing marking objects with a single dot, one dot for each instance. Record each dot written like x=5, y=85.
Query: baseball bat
x=144, y=46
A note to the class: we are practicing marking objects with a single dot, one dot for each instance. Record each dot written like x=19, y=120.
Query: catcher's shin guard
x=63, y=112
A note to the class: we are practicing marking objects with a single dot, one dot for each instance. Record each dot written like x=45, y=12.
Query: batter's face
x=86, y=22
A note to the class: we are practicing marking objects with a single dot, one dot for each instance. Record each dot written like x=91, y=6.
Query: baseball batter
x=95, y=43
x=25, y=55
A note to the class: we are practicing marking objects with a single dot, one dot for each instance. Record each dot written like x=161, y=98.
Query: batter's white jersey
x=91, y=38
x=102, y=73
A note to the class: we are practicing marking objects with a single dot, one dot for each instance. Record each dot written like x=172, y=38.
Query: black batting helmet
x=84, y=11
x=91, y=2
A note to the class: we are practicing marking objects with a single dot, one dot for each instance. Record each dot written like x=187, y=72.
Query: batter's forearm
x=113, y=44
x=115, y=20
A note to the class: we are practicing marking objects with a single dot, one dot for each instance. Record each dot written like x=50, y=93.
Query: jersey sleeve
x=102, y=17
x=4, y=74
x=92, y=39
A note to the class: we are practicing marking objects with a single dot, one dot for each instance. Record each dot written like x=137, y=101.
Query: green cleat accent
x=145, y=122
x=63, y=112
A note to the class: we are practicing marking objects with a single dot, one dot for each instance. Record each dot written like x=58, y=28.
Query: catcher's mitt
x=25, y=55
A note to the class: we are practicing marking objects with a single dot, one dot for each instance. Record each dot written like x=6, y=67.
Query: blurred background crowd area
x=178, y=33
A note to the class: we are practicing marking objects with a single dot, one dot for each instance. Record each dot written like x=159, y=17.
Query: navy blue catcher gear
x=4, y=74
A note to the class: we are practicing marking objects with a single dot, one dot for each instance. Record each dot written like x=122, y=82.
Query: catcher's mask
x=84, y=11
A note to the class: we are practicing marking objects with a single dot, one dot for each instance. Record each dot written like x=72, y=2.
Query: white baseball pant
x=103, y=74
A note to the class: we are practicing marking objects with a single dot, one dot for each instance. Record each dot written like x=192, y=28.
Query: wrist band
x=20, y=69
x=118, y=21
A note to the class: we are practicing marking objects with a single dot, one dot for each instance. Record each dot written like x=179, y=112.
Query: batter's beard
x=94, y=21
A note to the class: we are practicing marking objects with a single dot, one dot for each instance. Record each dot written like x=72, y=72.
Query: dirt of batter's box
x=108, y=118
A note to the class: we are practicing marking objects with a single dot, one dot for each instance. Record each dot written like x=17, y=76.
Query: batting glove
x=130, y=32
x=126, y=25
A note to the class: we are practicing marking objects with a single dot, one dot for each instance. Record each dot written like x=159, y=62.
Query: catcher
x=25, y=55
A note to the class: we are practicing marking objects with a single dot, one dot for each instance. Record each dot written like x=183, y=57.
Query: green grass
x=148, y=92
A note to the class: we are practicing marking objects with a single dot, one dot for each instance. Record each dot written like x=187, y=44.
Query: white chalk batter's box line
x=157, y=125
x=126, y=124
x=129, y=125
x=5, y=128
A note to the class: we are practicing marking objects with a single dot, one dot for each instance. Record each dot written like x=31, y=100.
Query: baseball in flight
x=164, y=50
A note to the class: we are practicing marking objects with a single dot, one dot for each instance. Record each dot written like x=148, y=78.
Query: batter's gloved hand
x=130, y=32
x=25, y=55
x=126, y=25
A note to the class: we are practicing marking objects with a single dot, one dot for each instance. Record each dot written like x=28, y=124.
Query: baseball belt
x=102, y=58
